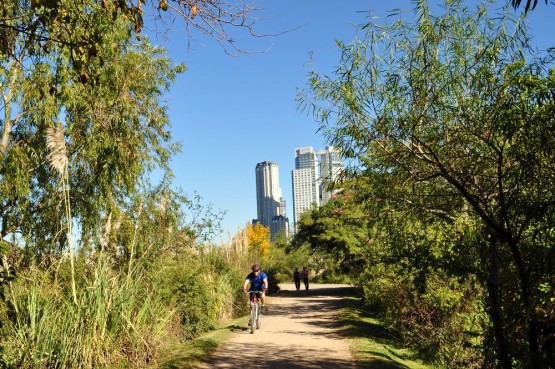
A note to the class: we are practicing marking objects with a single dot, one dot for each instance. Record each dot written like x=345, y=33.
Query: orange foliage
x=259, y=238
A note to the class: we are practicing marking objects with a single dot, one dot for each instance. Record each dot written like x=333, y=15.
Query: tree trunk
x=532, y=324
x=494, y=310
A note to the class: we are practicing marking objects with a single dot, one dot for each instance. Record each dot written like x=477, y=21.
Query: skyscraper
x=270, y=205
x=331, y=167
x=314, y=172
x=305, y=182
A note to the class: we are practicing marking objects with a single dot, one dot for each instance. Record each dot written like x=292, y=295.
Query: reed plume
x=56, y=145
x=57, y=157
x=105, y=237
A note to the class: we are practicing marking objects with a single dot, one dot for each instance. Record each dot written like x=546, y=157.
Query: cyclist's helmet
x=255, y=267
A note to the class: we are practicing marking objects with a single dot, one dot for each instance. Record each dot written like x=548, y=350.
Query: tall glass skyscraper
x=270, y=205
x=305, y=185
x=314, y=172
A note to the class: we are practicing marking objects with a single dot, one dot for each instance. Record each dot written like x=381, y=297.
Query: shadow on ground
x=278, y=357
x=324, y=299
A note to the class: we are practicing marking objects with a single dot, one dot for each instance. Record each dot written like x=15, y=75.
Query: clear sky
x=232, y=112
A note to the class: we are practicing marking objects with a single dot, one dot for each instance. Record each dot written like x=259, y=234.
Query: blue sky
x=232, y=112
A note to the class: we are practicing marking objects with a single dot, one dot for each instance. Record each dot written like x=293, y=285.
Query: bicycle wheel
x=254, y=313
x=258, y=318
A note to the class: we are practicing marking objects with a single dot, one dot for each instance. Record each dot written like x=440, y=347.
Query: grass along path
x=372, y=345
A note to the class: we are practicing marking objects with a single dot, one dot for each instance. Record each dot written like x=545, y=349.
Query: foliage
x=336, y=229
x=122, y=318
x=104, y=122
x=114, y=319
x=283, y=259
x=530, y=4
x=408, y=267
x=450, y=117
x=83, y=126
x=202, y=294
x=373, y=344
x=258, y=239
x=40, y=25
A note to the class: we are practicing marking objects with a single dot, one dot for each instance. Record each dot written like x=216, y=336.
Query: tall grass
x=124, y=317
x=204, y=291
x=115, y=321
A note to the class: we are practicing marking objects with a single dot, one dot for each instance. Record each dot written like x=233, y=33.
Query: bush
x=443, y=324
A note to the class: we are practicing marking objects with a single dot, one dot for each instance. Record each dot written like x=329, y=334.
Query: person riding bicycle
x=258, y=281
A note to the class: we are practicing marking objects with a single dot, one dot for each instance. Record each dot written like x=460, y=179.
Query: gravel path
x=299, y=330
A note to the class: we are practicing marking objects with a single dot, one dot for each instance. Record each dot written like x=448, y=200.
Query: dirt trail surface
x=299, y=330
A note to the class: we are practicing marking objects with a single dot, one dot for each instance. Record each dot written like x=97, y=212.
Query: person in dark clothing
x=304, y=275
x=297, y=278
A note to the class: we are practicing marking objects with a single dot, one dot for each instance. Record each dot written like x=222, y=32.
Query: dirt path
x=298, y=331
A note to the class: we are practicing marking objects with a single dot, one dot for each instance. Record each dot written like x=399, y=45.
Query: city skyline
x=225, y=102
x=315, y=171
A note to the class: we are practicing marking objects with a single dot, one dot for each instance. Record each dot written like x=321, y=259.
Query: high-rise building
x=269, y=202
x=280, y=224
x=305, y=182
x=314, y=172
x=331, y=167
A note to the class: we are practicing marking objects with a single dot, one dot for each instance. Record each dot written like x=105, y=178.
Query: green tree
x=458, y=105
x=72, y=25
x=337, y=230
x=114, y=130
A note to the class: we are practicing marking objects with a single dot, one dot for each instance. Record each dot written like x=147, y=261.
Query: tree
x=461, y=108
x=259, y=239
x=336, y=230
x=114, y=130
x=77, y=63
x=45, y=23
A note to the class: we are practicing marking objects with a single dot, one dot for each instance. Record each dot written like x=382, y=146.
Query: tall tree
x=70, y=23
x=114, y=127
x=77, y=62
x=458, y=103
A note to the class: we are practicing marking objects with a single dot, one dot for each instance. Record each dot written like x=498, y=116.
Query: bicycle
x=255, y=318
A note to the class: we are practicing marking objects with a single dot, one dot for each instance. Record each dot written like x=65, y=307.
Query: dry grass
x=56, y=145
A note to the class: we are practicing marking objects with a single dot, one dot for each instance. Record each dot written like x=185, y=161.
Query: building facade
x=331, y=167
x=269, y=201
x=315, y=171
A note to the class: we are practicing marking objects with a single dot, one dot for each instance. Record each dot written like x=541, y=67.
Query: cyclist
x=258, y=281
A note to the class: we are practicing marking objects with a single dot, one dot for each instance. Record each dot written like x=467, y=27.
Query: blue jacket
x=257, y=281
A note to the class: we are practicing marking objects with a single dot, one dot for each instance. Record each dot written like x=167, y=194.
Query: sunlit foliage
x=258, y=239
x=449, y=117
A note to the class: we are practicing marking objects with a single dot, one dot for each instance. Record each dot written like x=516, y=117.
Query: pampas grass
x=56, y=145
x=57, y=158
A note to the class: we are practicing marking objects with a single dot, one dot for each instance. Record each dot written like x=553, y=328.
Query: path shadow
x=273, y=356
x=346, y=297
x=318, y=292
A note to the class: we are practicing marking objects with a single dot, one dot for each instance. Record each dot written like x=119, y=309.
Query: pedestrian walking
x=297, y=278
x=304, y=276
